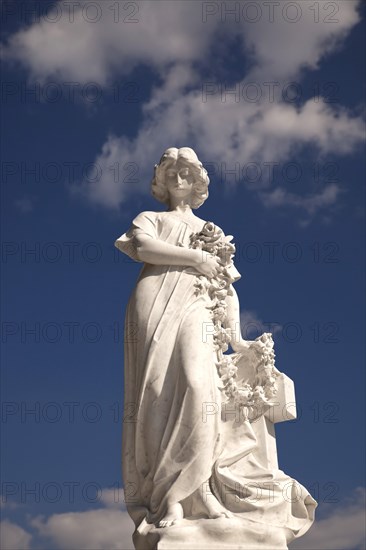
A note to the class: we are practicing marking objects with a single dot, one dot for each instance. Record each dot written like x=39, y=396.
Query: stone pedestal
x=212, y=534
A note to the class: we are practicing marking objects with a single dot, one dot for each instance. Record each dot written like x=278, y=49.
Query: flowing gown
x=170, y=447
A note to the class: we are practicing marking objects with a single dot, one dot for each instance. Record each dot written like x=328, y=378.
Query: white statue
x=197, y=434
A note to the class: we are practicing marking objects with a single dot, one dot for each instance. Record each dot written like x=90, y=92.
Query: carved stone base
x=212, y=534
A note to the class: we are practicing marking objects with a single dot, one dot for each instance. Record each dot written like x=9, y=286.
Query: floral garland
x=212, y=239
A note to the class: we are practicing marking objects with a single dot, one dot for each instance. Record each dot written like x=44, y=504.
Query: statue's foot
x=215, y=509
x=174, y=514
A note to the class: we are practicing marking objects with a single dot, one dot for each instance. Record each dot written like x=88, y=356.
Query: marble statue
x=199, y=453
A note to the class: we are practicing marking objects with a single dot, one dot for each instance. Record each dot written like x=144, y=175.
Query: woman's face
x=179, y=180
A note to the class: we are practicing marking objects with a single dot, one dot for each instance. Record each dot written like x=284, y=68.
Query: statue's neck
x=181, y=206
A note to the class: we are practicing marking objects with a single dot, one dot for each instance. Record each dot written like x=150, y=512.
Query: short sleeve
x=145, y=222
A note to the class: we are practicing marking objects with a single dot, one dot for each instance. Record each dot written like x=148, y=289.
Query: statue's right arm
x=158, y=252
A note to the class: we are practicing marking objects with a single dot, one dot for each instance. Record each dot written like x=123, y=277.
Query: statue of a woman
x=180, y=455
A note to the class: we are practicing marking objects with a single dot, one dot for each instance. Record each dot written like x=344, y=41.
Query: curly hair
x=201, y=180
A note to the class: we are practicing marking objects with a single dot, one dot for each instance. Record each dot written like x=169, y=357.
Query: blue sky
x=271, y=98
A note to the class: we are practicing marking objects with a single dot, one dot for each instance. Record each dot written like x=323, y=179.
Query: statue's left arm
x=232, y=321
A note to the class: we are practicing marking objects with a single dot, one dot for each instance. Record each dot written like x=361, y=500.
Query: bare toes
x=166, y=523
x=162, y=523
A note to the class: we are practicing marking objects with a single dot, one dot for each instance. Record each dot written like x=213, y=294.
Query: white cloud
x=252, y=326
x=343, y=528
x=283, y=48
x=108, y=528
x=73, y=47
x=67, y=44
x=228, y=133
x=13, y=537
x=102, y=529
x=173, y=39
x=331, y=129
x=311, y=204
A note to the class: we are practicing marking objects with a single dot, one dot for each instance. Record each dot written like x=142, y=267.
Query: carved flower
x=219, y=313
x=216, y=284
x=210, y=230
x=227, y=369
x=258, y=393
x=222, y=334
x=225, y=251
x=221, y=294
x=271, y=391
x=244, y=394
x=266, y=338
x=224, y=363
x=200, y=286
x=221, y=284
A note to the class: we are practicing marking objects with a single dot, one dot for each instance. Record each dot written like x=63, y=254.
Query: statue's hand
x=240, y=345
x=209, y=265
x=243, y=345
